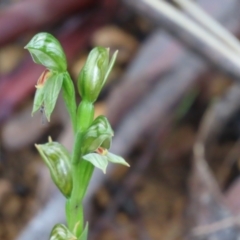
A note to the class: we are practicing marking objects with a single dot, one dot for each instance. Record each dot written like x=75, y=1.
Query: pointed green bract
x=46, y=50
x=110, y=66
x=70, y=98
x=58, y=161
x=61, y=232
x=84, y=234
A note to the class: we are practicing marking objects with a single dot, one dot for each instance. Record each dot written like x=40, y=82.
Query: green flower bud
x=58, y=161
x=61, y=232
x=99, y=134
x=95, y=73
x=95, y=144
x=46, y=50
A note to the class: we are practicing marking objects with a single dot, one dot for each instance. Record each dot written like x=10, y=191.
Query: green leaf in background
x=46, y=50
x=58, y=161
x=61, y=232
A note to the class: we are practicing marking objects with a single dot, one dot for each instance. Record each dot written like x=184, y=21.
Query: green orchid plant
x=71, y=172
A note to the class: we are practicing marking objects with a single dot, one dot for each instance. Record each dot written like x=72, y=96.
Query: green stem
x=85, y=115
x=76, y=149
x=82, y=171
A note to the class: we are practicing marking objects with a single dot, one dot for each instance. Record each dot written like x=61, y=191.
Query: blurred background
x=173, y=99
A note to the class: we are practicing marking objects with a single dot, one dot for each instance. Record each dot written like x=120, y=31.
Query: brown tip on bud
x=42, y=79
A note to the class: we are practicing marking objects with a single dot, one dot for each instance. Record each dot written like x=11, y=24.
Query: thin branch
x=216, y=226
x=190, y=32
x=209, y=23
